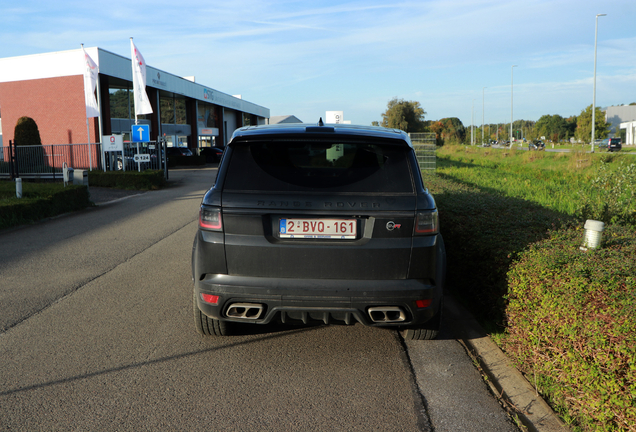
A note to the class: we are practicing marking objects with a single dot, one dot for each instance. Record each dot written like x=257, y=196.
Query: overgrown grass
x=600, y=186
x=484, y=232
x=512, y=223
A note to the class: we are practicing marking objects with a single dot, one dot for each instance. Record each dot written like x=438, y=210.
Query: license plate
x=340, y=229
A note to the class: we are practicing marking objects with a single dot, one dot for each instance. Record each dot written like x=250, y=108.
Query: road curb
x=505, y=379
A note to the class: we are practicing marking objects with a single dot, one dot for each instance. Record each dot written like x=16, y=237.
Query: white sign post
x=113, y=143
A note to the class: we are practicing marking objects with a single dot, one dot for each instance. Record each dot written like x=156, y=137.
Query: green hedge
x=572, y=326
x=145, y=180
x=174, y=161
x=39, y=202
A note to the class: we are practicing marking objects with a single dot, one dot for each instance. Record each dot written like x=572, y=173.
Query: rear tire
x=427, y=331
x=207, y=326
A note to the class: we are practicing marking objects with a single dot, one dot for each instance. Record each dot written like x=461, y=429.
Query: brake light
x=209, y=298
x=210, y=219
x=421, y=304
x=426, y=222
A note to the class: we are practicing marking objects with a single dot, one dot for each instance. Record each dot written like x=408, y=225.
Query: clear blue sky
x=306, y=57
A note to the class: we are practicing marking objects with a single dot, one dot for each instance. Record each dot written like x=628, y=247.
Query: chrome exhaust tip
x=387, y=314
x=246, y=311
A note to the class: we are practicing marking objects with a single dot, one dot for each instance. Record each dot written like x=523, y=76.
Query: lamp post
x=594, y=86
x=472, y=123
x=511, y=75
x=482, y=115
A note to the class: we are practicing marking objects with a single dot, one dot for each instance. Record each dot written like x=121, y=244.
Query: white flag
x=142, y=104
x=90, y=82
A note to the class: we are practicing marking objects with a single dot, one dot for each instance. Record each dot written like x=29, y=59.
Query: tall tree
x=584, y=125
x=553, y=127
x=404, y=115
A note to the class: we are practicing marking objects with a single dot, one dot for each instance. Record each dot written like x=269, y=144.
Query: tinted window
x=319, y=166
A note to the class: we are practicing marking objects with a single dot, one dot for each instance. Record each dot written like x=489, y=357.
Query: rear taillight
x=210, y=218
x=209, y=298
x=421, y=304
x=426, y=222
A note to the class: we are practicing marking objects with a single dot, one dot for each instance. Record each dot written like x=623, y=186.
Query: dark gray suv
x=319, y=223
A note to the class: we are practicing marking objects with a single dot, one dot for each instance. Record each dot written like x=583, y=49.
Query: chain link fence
x=424, y=145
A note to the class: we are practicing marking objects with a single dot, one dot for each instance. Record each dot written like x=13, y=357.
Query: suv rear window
x=313, y=165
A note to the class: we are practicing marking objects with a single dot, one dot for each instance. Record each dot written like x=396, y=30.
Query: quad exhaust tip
x=246, y=311
x=387, y=314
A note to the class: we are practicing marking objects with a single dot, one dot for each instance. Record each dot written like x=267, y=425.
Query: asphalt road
x=96, y=333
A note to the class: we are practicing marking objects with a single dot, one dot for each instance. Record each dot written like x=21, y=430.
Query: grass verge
x=39, y=201
x=512, y=225
x=42, y=200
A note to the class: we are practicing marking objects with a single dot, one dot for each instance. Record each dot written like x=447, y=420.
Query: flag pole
x=88, y=134
x=133, y=71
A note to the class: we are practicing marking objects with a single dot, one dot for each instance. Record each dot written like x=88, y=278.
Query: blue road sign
x=140, y=133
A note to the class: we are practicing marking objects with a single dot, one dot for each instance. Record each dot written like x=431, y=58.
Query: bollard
x=18, y=188
x=593, y=233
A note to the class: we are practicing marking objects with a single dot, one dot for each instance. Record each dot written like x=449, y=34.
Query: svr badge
x=392, y=225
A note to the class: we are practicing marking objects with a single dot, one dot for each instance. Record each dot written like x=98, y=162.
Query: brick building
x=50, y=89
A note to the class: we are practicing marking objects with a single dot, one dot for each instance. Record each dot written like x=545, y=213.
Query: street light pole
x=472, y=122
x=594, y=86
x=511, y=75
x=482, y=115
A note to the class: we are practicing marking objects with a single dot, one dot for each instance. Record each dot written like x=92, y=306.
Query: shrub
x=32, y=159
x=572, y=327
x=145, y=180
x=39, y=202
x=26, y=132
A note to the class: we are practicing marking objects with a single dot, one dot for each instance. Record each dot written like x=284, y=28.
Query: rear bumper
x=331, y=301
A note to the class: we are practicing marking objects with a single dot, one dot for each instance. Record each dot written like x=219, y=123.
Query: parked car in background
x=212, y=154
x=315, y=223
x=611, y=144
x=178, y=151
x=536, y=145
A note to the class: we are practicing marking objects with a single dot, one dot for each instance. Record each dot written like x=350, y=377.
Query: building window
x=180, y=111
x=208, y=116
x=122, y=103
x=167, y=110
x=173, y=110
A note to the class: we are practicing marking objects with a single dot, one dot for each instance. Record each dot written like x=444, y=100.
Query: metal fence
x=47, y=161
x=149, y=155
x=424, y=145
